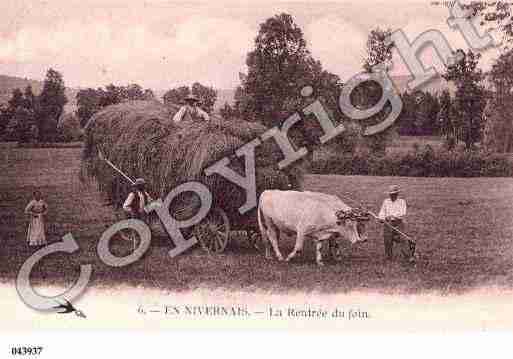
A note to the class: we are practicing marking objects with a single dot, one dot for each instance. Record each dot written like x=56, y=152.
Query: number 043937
x=26, y=351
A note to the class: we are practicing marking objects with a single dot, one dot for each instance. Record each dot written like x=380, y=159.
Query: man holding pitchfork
x=137, y=200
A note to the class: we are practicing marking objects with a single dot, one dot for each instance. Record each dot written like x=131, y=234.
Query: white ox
x=307, y=214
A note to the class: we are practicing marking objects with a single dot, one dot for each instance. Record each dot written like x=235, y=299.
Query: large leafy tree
x=51, y=104
x=470, y=96
x=279, y=60
x=448, y=119
x=368, y=93
x=498, y=17
x=19, y=115
x=499, y=124
x=279, y=66
x=378, y=50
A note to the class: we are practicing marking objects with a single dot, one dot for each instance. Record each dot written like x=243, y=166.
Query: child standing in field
x=36, y=209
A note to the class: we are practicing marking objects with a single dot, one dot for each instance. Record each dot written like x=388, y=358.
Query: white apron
x=36, y=229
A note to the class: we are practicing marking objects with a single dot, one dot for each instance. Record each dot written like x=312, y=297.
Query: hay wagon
x=224, y=220
x=142, y=140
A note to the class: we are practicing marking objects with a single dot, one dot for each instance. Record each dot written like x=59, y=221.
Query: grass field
x=464, y=230
x=409, y=141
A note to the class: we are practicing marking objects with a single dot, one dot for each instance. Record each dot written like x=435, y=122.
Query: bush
x=424, y=162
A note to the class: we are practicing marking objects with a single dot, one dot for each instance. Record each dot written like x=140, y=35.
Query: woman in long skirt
x=36, y=209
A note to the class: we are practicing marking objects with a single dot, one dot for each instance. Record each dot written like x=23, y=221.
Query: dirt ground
x=464, y=230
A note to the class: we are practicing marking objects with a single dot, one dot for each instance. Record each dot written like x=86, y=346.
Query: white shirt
x=199, y=112
x=130, y=198
x=396, y=208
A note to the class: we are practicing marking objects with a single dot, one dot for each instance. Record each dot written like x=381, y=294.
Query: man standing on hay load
x=392, y=214
x=137, y=200
x=191, y=111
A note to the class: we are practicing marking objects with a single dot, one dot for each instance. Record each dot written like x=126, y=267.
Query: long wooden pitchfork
x=114, y=167
x=103, y=158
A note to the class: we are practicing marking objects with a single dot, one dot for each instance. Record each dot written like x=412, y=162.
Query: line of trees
x=90, y=101
x=28, y=117
x=280, y=65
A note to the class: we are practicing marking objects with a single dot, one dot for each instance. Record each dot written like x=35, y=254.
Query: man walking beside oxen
x=392, y=215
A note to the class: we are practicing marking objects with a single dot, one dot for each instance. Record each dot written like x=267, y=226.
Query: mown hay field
x=464, y=229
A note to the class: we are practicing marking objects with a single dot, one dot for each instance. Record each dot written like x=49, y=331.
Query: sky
x=161, y=44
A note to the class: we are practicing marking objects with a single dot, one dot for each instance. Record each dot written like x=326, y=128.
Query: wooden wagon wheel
x=213, y=233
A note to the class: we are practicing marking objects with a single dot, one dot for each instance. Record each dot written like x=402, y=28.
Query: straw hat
x=393, y=189
x=191, y=98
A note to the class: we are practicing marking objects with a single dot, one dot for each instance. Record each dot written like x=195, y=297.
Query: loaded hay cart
x=142, y=140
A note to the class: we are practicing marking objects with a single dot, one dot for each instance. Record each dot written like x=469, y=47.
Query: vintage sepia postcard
x=336, y=166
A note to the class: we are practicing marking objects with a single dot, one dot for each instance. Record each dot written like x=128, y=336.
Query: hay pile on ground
x=141, y=139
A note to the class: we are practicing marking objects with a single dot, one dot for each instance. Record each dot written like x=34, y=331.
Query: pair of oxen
x=310, y=216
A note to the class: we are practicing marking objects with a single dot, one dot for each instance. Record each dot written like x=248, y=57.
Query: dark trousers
x=390, y=236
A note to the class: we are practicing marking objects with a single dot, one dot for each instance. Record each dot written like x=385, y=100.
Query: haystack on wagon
x=142, y=140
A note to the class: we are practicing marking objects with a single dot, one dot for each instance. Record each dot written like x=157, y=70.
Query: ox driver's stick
x=393, y=228
x=379, y=219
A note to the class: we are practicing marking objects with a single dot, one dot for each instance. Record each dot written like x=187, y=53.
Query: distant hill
x=9, y=83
